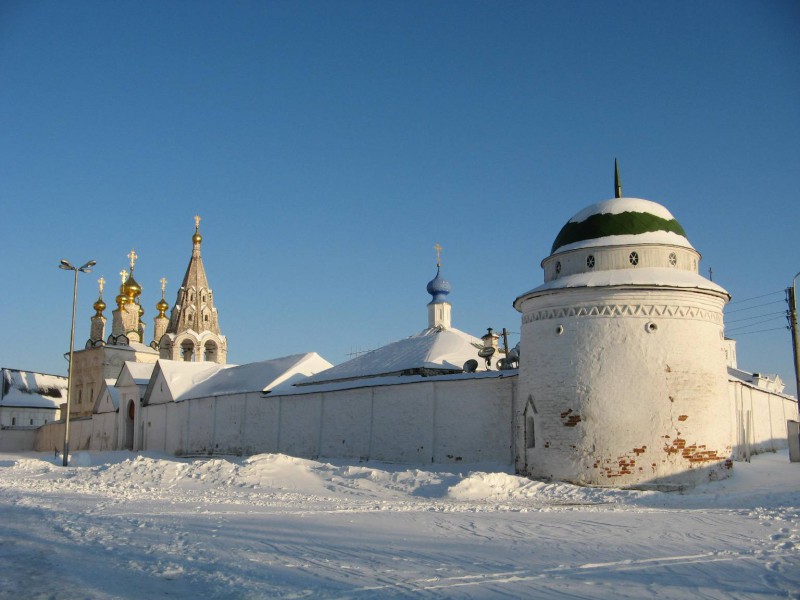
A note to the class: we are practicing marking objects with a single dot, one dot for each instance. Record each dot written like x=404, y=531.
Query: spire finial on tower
x=99, y=306
x=163, y=286
x=124, y=275
x=197, y=238
x=132, y=256
x=438, y=249
x=617, y=181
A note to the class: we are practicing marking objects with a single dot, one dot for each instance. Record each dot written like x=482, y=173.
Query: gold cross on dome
x=102, y=283
x=197, y=222
x=438, y=249
x=133, y=256
x=163, y=286
x=124, y=275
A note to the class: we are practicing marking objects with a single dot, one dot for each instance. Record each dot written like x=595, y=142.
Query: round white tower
x=622, y=367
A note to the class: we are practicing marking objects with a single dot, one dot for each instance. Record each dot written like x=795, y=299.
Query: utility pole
x=795, y=335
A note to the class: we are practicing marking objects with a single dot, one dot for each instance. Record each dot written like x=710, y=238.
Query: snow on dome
x=621, y=221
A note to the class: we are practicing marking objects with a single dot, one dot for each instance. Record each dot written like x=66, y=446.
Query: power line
x=756, y=306
x=756, y=297
x=741, y=327
x=780, y=312
x=760, y=331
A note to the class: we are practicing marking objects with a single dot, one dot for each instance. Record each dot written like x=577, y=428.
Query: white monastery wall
x=17, y=440
x=155, y=419
x=228, y=421
x=201, y=425
x=759, y=419
x=346, y=424
x=104, y=432
x=23, y=416
x=403, y=423
x=300, y=422
x=51, y=436
x=431, y=421
x=608, y=372
x=488, y=404
x=261, y=425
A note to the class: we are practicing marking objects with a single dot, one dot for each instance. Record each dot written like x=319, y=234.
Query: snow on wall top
x=35, y=390
x=638, y=221
x=257, y=377
x=648, y=276
x=432, y=348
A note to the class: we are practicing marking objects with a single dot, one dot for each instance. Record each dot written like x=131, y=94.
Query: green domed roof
x=621, y=221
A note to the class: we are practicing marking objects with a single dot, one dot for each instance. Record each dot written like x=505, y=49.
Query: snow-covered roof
x=139, y=372
x=180, y=377
x=258, y=376
x=621, y=221
x=768, y=382
x=34, y=390
x=349, y=384
x=646, y=276
x=431, y=349
x=113, y=394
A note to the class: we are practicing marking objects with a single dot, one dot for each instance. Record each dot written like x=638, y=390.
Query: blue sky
x=328, y=147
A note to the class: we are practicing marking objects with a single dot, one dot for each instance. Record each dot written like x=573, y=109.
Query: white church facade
x=623, y=375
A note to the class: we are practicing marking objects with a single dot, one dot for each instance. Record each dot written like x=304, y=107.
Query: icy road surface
x=118, y=525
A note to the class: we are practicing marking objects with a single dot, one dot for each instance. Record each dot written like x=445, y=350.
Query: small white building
x=29, y=399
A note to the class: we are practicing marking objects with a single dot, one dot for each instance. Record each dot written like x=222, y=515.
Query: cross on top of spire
x=124, y=275
x=163, y=286
x=438, y=249
x=197, y=222
x=132, y=256
x=102, y=283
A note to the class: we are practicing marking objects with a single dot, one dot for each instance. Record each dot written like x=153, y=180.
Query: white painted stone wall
x=104, y=432
x=17, y=440
x=21, y=416
x=759, y=419
x=627, y=387
x=444, y=421
x=51, y=436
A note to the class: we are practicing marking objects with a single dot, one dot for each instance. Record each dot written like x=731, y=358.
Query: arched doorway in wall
x=210, y=351
x=130, y=413
x=187, y=350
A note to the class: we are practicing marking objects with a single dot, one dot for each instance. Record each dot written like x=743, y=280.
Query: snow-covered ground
x=117, y=525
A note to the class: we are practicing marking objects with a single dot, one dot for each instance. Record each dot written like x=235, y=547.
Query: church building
x=623, y=375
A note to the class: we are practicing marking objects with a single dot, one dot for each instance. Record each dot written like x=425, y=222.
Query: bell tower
x=193, y=332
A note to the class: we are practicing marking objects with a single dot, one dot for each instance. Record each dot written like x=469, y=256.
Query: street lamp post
x=67, y=266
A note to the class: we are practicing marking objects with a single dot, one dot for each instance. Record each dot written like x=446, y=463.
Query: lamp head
x=66, y=265
x=88, y=266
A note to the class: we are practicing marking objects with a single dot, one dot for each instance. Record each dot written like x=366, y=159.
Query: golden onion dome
x=197, y=238
x=162, y=307
x=122, y=299
x=99, y=306
x=132, y=288
x=141, y=311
